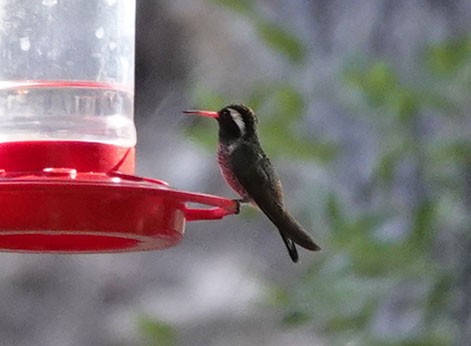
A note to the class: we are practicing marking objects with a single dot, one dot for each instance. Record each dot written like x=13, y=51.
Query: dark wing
x=255, y=173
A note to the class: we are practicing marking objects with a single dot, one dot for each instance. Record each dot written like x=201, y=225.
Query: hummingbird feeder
x=67, y=136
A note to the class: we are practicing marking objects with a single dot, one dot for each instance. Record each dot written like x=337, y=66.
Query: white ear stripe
x=238, y=120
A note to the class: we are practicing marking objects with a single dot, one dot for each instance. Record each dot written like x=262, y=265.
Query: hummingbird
x=249, y=172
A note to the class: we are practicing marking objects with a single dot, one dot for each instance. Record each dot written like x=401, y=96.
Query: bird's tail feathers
x=291, y=229
x=292, y=251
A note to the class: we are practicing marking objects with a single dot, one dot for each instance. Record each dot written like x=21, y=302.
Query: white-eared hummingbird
x=250, y=173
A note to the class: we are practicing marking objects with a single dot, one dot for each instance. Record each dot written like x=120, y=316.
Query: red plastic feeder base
x=63, y=210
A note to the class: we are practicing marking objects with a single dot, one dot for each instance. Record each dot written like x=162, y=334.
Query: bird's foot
x=239, y=202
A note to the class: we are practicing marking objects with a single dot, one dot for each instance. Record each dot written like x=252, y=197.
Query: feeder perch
x=67, y=136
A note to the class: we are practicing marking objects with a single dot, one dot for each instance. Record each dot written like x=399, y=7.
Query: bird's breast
x=223, y=157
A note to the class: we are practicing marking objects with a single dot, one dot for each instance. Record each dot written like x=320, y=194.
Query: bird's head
x=235, y=121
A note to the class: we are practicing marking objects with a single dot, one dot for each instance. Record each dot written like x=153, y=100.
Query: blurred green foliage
x=155, y=332
x=270, y=33
x=383, y=90
x=450, y=57
x=342, y=294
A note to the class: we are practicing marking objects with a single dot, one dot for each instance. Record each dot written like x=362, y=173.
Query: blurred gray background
x=364, y=108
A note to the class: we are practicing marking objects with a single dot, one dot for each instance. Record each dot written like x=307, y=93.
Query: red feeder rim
x=92, y=207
